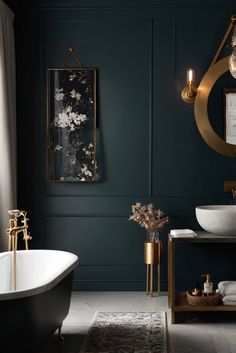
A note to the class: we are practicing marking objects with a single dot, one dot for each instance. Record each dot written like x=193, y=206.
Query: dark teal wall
x=151, y=148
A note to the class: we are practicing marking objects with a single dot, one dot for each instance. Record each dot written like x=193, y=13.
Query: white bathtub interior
x=5, y=272
x=34, y=269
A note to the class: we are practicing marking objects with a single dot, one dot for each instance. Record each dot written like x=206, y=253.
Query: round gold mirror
x=201, y=109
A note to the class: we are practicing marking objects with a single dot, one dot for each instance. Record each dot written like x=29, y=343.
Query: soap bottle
x=208, y=285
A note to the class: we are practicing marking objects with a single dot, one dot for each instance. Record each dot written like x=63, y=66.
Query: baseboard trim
x=113, y=285
x=125, y=285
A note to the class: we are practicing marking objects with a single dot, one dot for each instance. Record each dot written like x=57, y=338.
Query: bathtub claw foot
x=59, y=334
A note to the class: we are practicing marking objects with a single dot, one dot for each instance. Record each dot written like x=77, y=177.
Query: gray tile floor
x=183, y=338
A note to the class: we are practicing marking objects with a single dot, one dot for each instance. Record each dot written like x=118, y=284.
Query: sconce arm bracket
x=232, y=24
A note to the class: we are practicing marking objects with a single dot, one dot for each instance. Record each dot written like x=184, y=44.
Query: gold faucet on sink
x=16, y=217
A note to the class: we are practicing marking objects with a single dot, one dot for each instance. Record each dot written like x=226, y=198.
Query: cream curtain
x=7, y=120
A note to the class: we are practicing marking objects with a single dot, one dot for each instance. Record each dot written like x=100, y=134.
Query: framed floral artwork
x=71, y=124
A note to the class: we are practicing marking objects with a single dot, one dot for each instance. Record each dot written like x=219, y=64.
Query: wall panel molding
x=131, y=4
x=180, y=206
x=150, y=186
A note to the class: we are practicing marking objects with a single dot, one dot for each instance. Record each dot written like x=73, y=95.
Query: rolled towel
x=229, y=300
x=183, y=233
x=227, y=288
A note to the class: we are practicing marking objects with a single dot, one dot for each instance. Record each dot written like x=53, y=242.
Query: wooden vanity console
x=177, y=300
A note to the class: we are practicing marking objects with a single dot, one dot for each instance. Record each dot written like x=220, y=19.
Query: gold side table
x=152, y=256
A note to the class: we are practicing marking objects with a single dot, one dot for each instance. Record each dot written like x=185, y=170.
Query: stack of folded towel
x=183, y=233
x=228, y=291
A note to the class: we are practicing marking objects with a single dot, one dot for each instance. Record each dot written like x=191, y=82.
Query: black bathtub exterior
x=26, y=323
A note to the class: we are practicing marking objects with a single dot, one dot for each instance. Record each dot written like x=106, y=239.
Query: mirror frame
x=201, y=109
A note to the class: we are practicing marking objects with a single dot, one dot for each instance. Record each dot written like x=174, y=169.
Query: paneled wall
x=149, y=145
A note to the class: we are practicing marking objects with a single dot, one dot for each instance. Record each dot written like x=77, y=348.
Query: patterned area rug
x=127, y=332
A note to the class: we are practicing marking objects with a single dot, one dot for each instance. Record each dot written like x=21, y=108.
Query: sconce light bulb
x=189, y=92
x=190, y=76
x=232, y=62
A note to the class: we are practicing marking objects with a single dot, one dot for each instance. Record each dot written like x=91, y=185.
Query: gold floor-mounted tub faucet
x=18, y=223
x=14, y=228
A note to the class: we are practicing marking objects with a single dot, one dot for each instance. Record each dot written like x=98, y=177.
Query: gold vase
x=152, y=256
x=151, y=253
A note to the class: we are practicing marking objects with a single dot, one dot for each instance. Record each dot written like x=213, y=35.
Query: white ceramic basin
x=218, y=219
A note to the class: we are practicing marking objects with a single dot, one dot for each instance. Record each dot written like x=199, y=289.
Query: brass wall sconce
x=189, y=92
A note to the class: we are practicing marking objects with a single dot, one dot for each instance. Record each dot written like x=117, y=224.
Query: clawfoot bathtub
x=41, y=301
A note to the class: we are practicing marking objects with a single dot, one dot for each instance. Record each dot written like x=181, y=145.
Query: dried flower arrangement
x=150, y=219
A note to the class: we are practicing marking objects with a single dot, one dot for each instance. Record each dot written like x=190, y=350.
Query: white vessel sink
x=218, y=219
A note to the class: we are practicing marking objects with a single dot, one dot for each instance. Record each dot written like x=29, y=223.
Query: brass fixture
x=232, y=58
x=189, y=92
x=16, y=217
x=14, y=229
x=215, y=70
x=152, y=256
x=229, y=185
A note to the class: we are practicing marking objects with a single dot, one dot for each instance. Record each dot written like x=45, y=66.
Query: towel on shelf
x=183, y=233
x=229, y=300
x=227, y=288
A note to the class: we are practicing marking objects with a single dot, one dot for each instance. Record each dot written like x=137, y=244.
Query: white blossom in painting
x=80, y=118
x=59, y=95
x=85, y=170
x=69, y=119
x=72, y=77
x=62, y=120
x=75, y=94
x=58, y=148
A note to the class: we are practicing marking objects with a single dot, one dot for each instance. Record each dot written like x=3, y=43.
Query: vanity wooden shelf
x=177, y=301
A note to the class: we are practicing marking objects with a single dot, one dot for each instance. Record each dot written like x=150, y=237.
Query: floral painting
x=72, y=125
